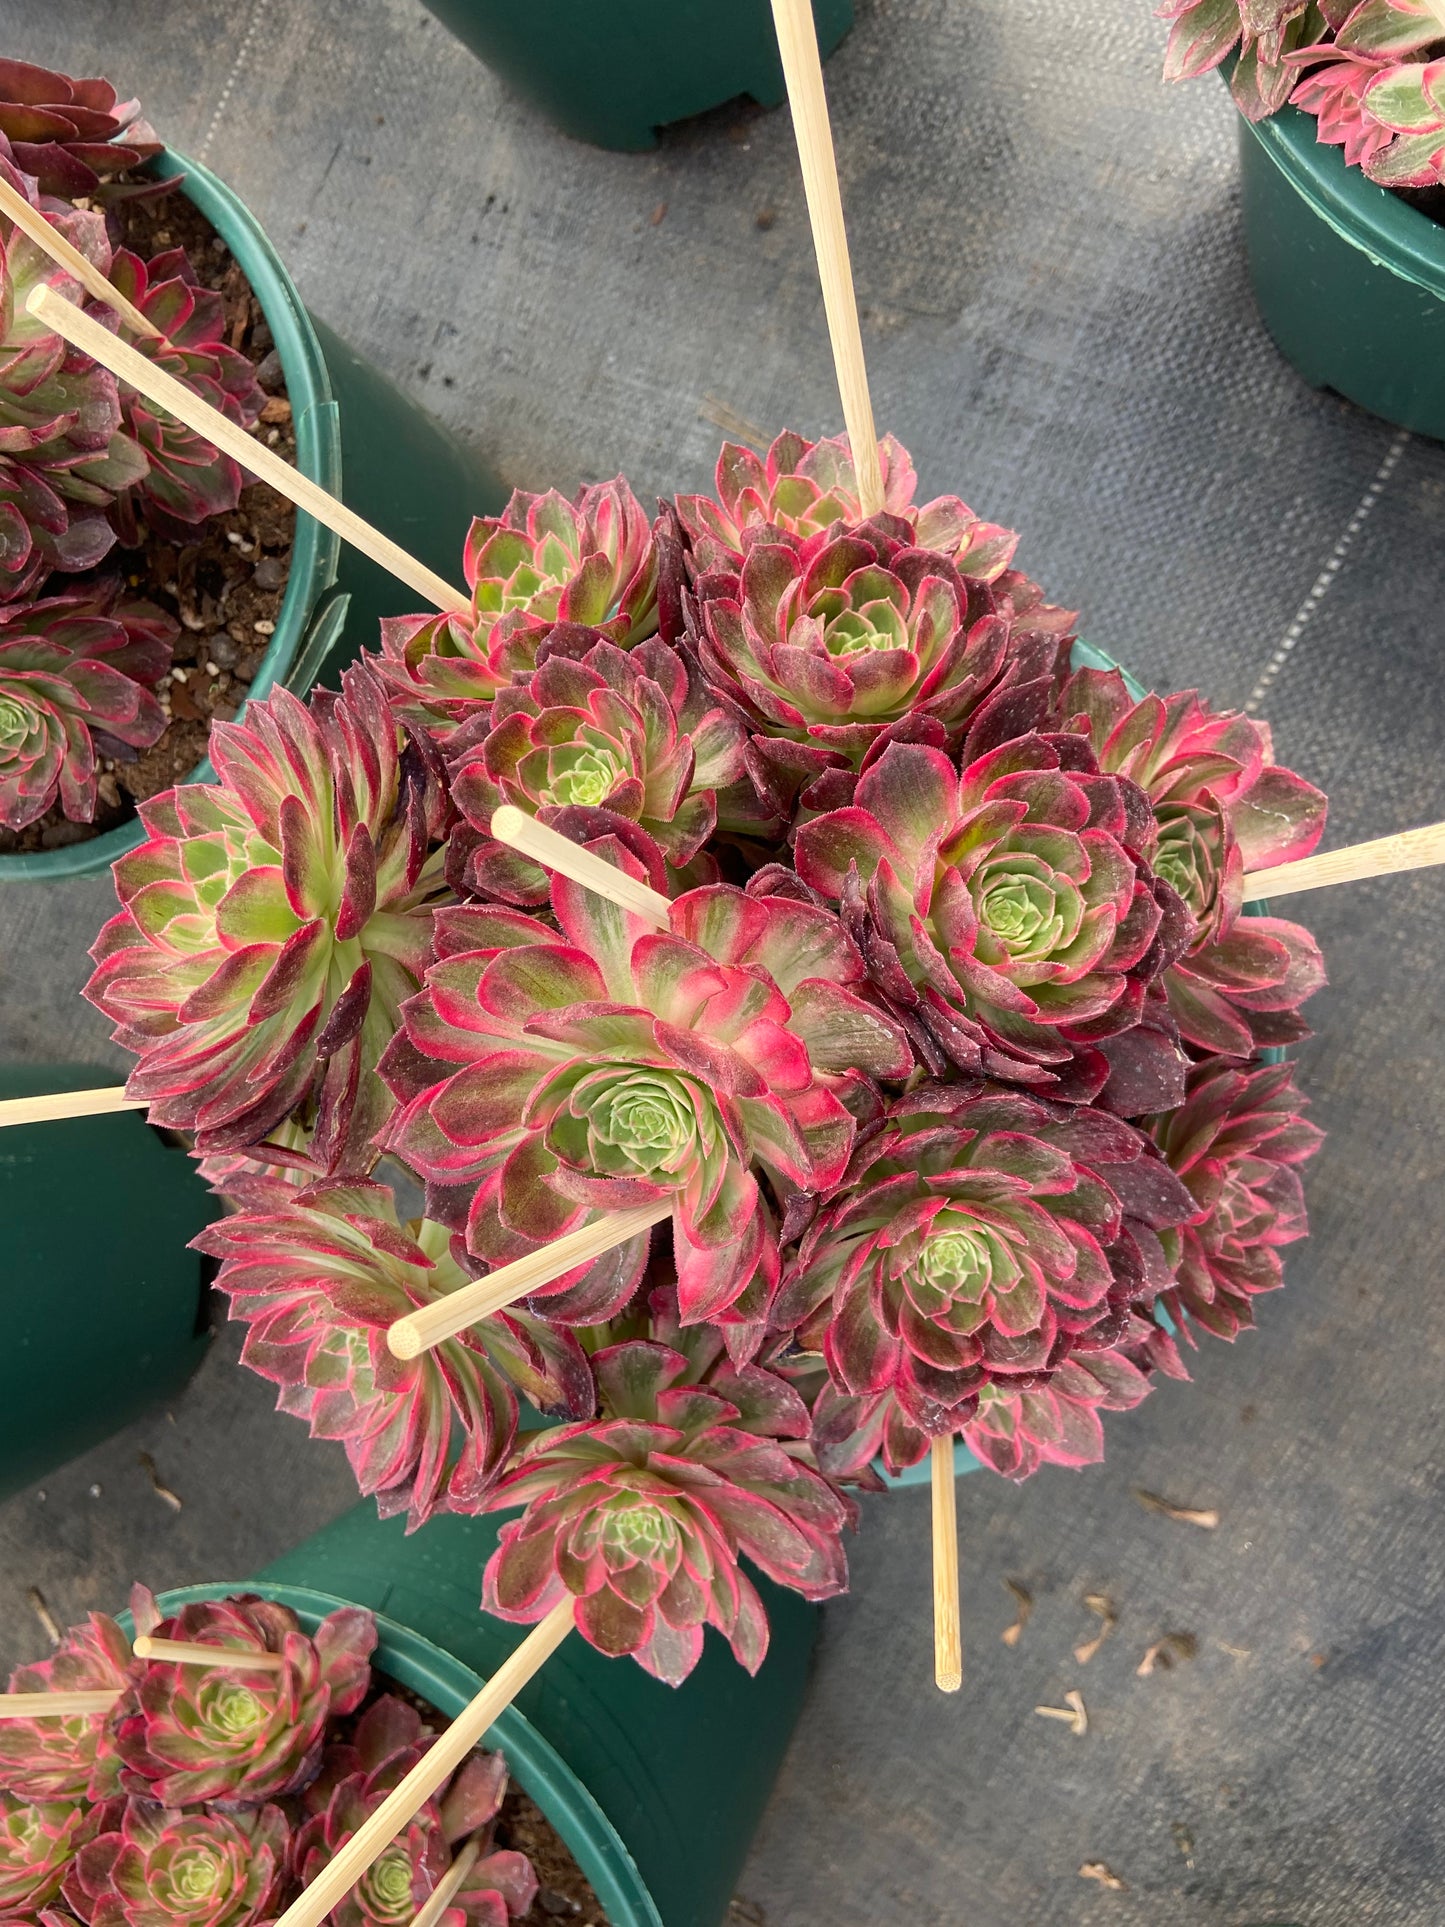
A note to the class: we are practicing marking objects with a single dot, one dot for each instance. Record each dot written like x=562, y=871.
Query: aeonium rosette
x=189, y=1734
x=1222, y=808
x=273, y=922
x=543, y=561
x=629, y=733
x=981, y=1238
x=1002, y=911
x=809, y=489
x=318, y=1277
x=154, y=1867
x=76, y=671
x=38, y=1842
x=354, y=1780
x=643, y=1513
x=75, y=136
x=73, y=1758
x=830, y=649
x=1237, y=1142
x=549, y=1075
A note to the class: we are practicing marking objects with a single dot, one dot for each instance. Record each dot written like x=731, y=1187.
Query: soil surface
x=563, y=1891
x=225, y=584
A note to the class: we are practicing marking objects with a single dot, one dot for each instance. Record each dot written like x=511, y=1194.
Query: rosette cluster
x=932, y=1097
x=209, y=1795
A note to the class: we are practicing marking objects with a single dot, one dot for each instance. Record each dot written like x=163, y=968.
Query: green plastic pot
x=613, y=71
x=103, y=1305
x=1349, y=279
x=681, y=1773
x=1085, y=656
x=447, y=1683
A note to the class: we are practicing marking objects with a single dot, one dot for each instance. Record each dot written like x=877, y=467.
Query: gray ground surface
x=1059, y=327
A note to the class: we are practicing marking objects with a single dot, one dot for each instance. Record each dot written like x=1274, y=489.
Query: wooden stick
x=58, y=1104
x=57, y=1706
x=947, y=1627
x=528, y=837
x=189, y=1652
x=420, y=1330
x=431, y=1771
x=803, y=70
x=32, y=222
x=166, y=392
x=1386, y=856
x=449, y=1884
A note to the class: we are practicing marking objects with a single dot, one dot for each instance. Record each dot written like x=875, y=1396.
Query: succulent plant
x=73, y=136
x=157, y=1868
x=544, y=561
x=832, y=650
x=318, y=1276
x=73, y=674
x=37, y=1844
x=272, y=923
x=980, y=1238
x=1237, y=1141
x=810, y=489
x=551, y=1074
x=230, y=1736
x=1222, y=808
x=643, y=1513
x=185, y=478
x=1002, y=911
x=72, y=1758
x=62, y=455
x=389, y=1739
x=626, y=734
x=1265, y=32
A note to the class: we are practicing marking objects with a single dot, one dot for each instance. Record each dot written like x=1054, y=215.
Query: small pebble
x=268, y=371
x=95, y=1491
x=262, y=338
x=264, y=628
x=268, y=573
x=223, y=652
x=108, y=790
x=273, y=435
x=237, y=541
x=178, y=675
x=213, y=669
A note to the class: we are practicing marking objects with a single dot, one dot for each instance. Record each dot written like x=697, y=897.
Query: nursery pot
x=1349, y=279
x=445, y=1680
x=103, y=1305
x=614, y=71
x=359, y=437
x=682, y=1774
x=1085, y=656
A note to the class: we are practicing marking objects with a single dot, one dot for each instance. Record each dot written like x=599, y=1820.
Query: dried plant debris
x=1072, y=1712
x=1169, y=1651
x=162, y=1491
x=1184, y=1840
x=1185, y=1515
x=35, y=1599
x=1096, y=1603
x=1024, y=1600
x=1106, y=1877
x=713, y=410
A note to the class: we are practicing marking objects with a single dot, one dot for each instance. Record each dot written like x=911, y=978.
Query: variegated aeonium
x=948, y=936
x=209, y=1795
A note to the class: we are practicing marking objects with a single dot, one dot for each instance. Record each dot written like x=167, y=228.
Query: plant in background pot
x=1342, y=146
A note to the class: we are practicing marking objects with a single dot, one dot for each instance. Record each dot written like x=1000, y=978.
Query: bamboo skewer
x=164, y=391
x=57, y=1104
x=947, y=1626
x=57, y=1706
x=431, y=1771
x=528, y=837
x=32, y=222
x=189, y=1652
x=803, y=70
x=420, y=1330
x=449, y=1884
x=1385, y=856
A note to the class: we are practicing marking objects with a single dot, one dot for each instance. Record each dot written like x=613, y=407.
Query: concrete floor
x=1059, y=327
